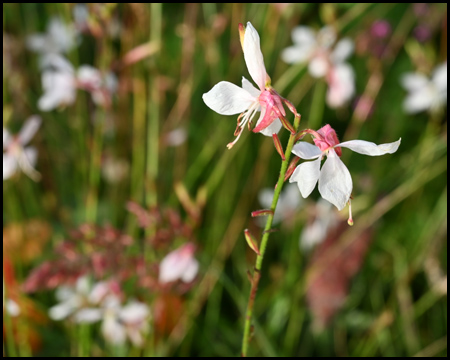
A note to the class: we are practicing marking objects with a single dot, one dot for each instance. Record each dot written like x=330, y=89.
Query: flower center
x=328, y=139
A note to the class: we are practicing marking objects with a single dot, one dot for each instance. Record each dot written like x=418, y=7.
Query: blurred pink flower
x=381, y=29
x=16, y=155
x=179, y=264
x=425, y=93
x=335, y=182
x=226, y=98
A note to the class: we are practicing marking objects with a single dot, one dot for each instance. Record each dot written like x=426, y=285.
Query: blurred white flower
x=59, y=38
x=60, y=82
x=129, y=321
x=114, y=170
x=425, y=93
x=288, y=203
x=16, y=155
x=226, y=98
x=12, y=307
x=176, y=137
x=325, y=58
x=179, y=264
x=315, y=232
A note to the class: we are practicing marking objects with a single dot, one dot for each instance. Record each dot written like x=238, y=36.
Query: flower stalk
x=263, y=245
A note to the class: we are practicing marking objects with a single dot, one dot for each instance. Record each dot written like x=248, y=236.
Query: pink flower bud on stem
x=241, y=34
x=278, y=146
x=263, y=212
x=251, y=242
x=291, y=167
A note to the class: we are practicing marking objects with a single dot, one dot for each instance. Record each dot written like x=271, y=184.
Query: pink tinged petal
x=370, y=148
x=89, y=76
x=335, y=182
x=343, y=49
x=254, y=57
x=248, y=86
x=306, y=150
x=88, y=316
x=306, y=176
x=99, y=292
x=341, y=81
x=413, y=82
x=174, y=265
x=9, y=166
x=190, y=272
x=29, y=129
x=439, y=77
x=226, y=98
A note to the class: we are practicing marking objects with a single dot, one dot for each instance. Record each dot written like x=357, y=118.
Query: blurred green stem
x=258, y=265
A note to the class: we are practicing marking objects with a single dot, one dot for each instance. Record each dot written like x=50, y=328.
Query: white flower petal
x=318, y=66
x=419, y=100
x=265, y=198
x=248, y=86
x=28, y=130
x=173, y=266
x=31, y=155
x=133, y=313
x=61, y=311
x=370, y=148
x=343, y=49
x=190, y=272
x=90, y=76
x=9, y=166
x=297, y=53
x=12, y=308
x=439, y=77
x=326, y=37
x=304, y=35
x=273, y=128
x=254, y=57
x=7, y=138
x=305, y=150
x=306, y=176
x=413, y=81
x=88, y=316
x=113, y=331
x=226, y=98
x=335, y=182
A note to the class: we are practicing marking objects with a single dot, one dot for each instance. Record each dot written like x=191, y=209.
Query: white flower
x=179, y=264
x=16, y=155
x=316, y=231
x=325, y=58
x=288, y=202
x=226, y=98
x=58, y=82
x=59, y=38
x=335, y=182
x=425, y=93
x=130, y=321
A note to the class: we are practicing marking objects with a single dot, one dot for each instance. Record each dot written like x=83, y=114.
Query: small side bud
x=291, y=107
x=291, y=167
x=350, y=218
x=264, y=212
x=278, y=146
x=241, y=34
x=251, y=242
x=287, y=125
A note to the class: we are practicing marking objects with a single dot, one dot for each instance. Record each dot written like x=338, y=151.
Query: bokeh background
x=128, y=179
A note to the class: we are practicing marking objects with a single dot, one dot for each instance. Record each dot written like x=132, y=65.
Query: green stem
x=264, y=241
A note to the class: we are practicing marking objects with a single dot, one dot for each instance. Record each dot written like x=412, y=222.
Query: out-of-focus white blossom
x=16, y=155
x=288, y=203
x=315, y=232
x=425, y=93
x=59, y=38
x=179, y=264
x=325, y=58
